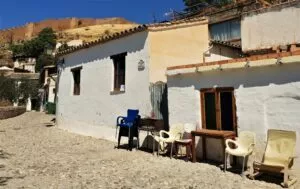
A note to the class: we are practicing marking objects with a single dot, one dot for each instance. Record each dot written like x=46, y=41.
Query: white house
x=48, y=78
x=265, y=92
x=25, y=64
x=256, y=93
x=99, y=83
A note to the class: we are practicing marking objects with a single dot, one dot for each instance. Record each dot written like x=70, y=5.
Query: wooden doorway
x=218, y=109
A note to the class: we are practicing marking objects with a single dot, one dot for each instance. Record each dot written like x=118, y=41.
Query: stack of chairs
x=128, y=127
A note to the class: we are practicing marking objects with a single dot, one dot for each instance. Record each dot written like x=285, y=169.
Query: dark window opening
x=119, y=71
x=76, y=79
x=226, y=31
x=226, y=111
x=210, y=110
x=218, y=109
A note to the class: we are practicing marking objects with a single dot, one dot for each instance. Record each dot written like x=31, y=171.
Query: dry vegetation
x=5, y=57
x=92, y=33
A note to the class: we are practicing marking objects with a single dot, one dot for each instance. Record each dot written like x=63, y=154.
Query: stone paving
x=36, y=154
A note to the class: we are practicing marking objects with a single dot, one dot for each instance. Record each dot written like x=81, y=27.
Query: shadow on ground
x=4, y=155
x=4, y=180
x=49, y=124
x=271, y=178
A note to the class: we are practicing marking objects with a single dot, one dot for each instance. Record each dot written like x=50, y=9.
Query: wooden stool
x=188, y=146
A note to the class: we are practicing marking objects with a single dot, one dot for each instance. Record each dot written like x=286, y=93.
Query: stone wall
x=9, y=112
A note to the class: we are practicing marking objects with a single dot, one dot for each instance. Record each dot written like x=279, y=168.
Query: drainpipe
x=209, y=48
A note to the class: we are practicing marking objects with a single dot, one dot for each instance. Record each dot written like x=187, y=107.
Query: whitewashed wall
x=274, y=27
x=95, y=110
x=51, y=97
x=266, y=98
x=221, y=52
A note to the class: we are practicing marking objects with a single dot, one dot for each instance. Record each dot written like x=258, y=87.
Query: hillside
x=67, y=29
x=31, y=30
x=91, y=33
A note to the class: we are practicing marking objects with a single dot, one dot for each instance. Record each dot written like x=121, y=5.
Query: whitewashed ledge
x=236, y=65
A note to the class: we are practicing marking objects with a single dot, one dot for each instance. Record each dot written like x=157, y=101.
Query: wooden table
x=204, y=133
x=152, y=126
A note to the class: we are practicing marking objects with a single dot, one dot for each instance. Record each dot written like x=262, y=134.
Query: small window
x=76, y=79
x=226, y=31
x=218, y=109
x=119, y=71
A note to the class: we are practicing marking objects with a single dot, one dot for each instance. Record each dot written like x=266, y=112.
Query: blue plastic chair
x=130, y=120
x=131, y=123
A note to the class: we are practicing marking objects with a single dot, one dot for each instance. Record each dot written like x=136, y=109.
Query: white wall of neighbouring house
x=27, y=64
x=178, y=45
x=266, y=98
x=276, y=26
x=221, y=52
x=95, y=110
x=51, y=97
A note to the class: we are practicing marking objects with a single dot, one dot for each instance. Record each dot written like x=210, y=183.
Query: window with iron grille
x=76, y=79
x=119, y=71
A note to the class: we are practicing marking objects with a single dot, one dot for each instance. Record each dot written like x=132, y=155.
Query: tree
x=193, y=4
x=7, y=89
x=37, y=47
x=17, y=49
x=47, y=38
x=44, y=60
x=15, y=89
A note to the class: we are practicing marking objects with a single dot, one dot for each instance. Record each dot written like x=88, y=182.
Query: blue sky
x=19, y=12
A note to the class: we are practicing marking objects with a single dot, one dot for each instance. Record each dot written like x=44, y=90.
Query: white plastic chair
x=279, y=156
x=244, y=146
x=175, y=133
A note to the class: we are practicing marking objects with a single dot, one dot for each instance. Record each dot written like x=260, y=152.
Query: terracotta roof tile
x=114, y=36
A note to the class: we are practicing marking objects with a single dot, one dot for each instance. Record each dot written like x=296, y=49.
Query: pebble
x=48, y=157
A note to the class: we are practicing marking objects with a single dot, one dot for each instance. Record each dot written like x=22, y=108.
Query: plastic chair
x=279, y=155
x=244, y=146
x=131, y=123
x=174, y=134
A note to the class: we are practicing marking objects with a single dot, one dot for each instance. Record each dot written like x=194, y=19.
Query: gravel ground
x=35, y=155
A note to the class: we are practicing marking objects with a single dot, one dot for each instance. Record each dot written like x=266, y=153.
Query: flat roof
x=256, y=60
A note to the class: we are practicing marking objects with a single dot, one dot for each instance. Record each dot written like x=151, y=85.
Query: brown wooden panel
x=218, y=111
x=207, y=90
x=234, y=113
x=202, y=109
